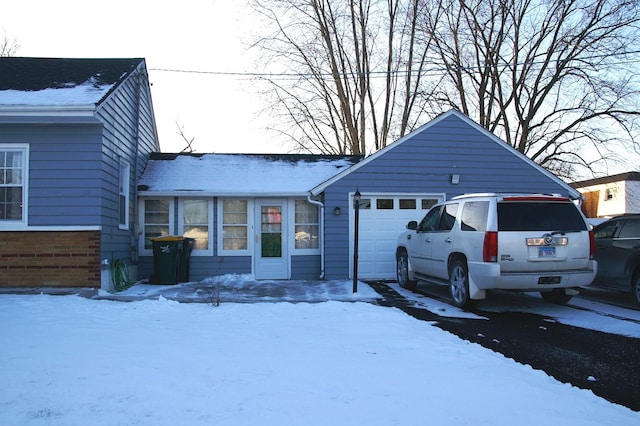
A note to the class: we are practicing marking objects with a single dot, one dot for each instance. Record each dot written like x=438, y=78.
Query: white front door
x=271, y=259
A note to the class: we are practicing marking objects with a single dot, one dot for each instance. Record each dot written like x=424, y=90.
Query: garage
x=382, y=218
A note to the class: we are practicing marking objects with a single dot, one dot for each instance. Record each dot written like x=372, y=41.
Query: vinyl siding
x=63, y=184
x=424, y=163
x=305, y=267
x=128, y=121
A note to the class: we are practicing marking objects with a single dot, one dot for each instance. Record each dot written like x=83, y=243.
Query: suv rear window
x=539, y=216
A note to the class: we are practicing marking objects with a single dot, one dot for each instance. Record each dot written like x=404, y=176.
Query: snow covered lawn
x=66, y=360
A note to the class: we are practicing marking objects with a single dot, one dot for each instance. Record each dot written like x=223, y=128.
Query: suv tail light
x=490, y=247
x=592, y=245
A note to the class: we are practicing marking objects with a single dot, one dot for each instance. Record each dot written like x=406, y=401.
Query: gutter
x=320, y=232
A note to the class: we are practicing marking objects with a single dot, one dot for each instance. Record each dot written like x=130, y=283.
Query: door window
x=271, y=231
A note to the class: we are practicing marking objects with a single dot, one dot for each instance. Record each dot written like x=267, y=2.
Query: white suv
x=478, y=242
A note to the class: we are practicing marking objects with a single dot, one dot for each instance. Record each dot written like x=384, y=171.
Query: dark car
x=618, y=254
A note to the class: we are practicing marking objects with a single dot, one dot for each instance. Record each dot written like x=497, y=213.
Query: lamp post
x=356, y=206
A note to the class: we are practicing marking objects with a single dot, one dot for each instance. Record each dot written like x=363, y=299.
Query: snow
x=87, y=93
x=74, y=361
x=237, y=174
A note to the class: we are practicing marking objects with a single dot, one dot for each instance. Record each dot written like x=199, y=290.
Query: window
x=427, y=203
x=195, y=216
x=474, y=216
x=235, y=226
x=123, y=192
x=631, y=229
x=407, y=204
x=448, y=217
x=157, y=220
x=384, y=204
x=13, y=184
x=430, y=221
x=306, y=225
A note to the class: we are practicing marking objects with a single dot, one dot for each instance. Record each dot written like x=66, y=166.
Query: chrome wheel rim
x=457, y=282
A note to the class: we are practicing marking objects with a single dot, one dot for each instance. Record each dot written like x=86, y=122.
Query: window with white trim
x=123, y=195
x=234, y=226
x=307, y=225
x=157, y=221
x=13, y=184
x=195, y=217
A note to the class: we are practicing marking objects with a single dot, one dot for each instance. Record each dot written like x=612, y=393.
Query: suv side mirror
x=413, y=225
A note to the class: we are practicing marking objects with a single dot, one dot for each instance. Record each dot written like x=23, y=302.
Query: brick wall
x=50, y=259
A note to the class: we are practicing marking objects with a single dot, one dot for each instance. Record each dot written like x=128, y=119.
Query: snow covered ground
x=68, y=360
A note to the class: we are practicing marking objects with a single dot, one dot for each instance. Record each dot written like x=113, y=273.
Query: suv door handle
x=428, y=240
x=448, y=240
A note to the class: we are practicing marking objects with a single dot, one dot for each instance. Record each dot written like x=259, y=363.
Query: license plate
x=546, y=252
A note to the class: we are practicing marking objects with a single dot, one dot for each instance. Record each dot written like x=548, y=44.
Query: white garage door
x=382, y=218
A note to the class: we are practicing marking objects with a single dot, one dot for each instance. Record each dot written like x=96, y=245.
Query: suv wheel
x=636, y=289
x=402, y=271
x=459, y=285
x=558, y=296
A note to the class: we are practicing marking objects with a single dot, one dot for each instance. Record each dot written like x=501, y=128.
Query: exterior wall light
x=455, y=179
x=337, y=211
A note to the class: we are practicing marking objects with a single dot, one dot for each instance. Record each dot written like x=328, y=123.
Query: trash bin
x=166, y=258
x=183, y=262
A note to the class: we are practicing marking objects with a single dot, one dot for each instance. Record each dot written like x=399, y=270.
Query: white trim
x=142, y=251
x=47, y=110
x=291, y=213
x=210, y=224
x=24, y=148
x=124, y=189
x=52, y=228
x=250, y=226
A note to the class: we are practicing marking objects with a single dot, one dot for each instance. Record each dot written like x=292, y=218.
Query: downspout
x=320, y=231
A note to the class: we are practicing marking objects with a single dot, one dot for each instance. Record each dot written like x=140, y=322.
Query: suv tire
x=402, y=271
x=636, y=288
x=558, y=296
x=459, y=285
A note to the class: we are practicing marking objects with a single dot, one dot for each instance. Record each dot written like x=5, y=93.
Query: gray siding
x=63, y=182
x=129, y=134
x=424, y=163
x=305, y=267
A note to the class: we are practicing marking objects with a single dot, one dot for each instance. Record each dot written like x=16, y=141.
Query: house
x=611, y=195
x=292, y=217
x=75, y=136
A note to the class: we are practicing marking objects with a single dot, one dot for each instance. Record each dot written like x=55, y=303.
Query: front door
x=271, y=256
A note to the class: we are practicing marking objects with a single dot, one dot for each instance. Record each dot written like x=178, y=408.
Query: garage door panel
x=379, y=230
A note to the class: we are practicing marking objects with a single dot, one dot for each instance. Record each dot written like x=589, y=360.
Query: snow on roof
x=58, y=82
x=84, y=94
x=239, y=174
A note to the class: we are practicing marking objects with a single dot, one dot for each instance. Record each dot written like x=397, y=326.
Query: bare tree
x=8, y=46
x=189, y=141
x=349, y=72
x=557, y=79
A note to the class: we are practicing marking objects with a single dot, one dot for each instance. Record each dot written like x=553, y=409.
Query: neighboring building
x=75, y=135
x=610, y=195
x=292, y=217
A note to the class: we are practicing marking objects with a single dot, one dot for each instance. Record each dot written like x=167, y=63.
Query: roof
x=608, y=179
x=60, y=82
x=468, y=121
x=238, y=174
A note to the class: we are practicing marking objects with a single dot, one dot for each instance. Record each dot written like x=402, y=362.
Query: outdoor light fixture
x=336, y=211
x=356, y=206
x=455, y=179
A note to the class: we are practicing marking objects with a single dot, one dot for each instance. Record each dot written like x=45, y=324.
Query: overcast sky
x=219, y=111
